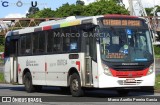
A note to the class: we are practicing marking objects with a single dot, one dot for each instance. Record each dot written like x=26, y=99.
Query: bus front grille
x=124, y=82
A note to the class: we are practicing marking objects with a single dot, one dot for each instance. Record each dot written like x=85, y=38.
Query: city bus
x=79, y=53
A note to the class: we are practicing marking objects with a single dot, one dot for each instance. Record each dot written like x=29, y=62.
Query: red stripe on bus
x=129, y=74
x=47, y=28
x=19, y=68
x=78, y=63
x=45, y=67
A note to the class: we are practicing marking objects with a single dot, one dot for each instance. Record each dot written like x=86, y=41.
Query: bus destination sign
x=122, y=22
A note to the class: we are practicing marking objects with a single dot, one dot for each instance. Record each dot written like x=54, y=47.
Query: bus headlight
x=151, y=69
x=106, y=70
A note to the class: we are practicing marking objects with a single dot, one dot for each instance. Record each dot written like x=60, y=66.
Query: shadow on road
x=103, y=93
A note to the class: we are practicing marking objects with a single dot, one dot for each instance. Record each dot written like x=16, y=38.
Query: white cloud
x=146, y=3
x=15, y=15
x=88, y=1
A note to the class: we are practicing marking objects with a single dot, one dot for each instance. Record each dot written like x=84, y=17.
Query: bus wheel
x=28, y=82
x=75, y=86
x=123, y=92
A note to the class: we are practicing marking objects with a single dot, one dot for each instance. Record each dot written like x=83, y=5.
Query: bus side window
x=70, y=40
x=35, y=43
x=74, y=46
x=41, y=48
x=66, y=39
x=28, y=44
x=57, y=41
x=25, y=44
x=38, y=43
x=50, y=39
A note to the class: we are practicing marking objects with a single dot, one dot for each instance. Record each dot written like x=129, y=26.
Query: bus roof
x=53, y=24
x=119, y=16
x=69, y=21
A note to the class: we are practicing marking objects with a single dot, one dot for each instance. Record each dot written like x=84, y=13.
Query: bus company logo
x=130, y=75
x=21, y=99
x=129, y=64
x=31, y=63
x=6, y=99
x=19, y=3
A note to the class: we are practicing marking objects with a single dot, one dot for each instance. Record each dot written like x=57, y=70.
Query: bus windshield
x=125, y=44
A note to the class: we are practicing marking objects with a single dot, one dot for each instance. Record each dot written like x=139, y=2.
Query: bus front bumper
x=115, y=82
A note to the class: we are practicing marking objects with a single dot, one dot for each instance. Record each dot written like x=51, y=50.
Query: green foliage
x=69, y=10
x=45, y=13
x=104, y=7
x=1, y=77
x=1, y=48
x=148, y=11
x=157, y=50
x=158, y=37
x=79, y=2
x=96, y=8
x=2, y=39
x=157, y=83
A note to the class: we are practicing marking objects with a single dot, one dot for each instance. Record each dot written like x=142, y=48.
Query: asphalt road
x=95, y=97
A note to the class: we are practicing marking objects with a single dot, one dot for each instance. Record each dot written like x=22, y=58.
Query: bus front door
x=88, y=72
x=90, y=49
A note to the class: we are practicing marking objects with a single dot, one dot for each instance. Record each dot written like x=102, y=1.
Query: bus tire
x=75, y=86
x=123, y=92
x=28, y=83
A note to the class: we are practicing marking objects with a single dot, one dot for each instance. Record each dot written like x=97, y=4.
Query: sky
x=13, y=11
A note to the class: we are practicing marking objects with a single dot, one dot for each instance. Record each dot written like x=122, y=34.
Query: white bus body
x=56, y=69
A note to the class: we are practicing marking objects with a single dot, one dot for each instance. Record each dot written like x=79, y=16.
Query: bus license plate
x=130, y=80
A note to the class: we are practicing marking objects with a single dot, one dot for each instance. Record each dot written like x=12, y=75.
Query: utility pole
x=136, y=8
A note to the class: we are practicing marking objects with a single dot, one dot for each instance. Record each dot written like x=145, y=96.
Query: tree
x=32, y=11
x=80, y=2
x=45, y=13
x=96, y=8
x=104, y=7
x=117, y=1
x=69, y=10
x=148, y=11
x=2, y=40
